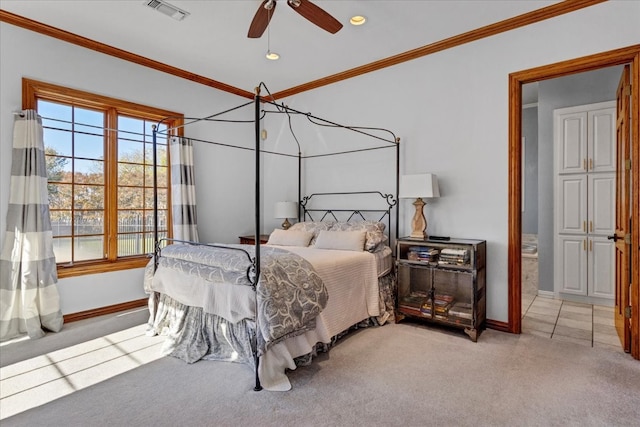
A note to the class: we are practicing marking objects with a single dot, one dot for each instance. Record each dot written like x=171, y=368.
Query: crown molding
x=66, y=36
x=538, y=15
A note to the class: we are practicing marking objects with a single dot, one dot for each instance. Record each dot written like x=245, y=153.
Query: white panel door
x=572, y=204
x=571, y=131
x=585, y=170
x=601, y=140
x=601, y=261
x=572, y=254
x=602, y=207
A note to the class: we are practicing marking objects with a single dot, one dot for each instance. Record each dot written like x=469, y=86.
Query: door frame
x=627, y=55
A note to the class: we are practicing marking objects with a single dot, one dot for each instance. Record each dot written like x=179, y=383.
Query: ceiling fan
x=304, y=7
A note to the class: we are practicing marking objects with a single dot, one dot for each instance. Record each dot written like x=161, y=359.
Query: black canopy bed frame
x=305, y=211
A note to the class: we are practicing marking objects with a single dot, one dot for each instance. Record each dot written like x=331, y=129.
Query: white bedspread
x=351, y=279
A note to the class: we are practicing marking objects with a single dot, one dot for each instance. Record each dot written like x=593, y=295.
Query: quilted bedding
x=209, y=315
x=290, y=294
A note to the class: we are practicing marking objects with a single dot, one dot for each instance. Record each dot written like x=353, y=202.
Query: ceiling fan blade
x=316, y=15
x=261, y=19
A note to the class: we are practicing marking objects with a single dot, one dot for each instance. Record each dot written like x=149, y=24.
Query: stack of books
x=413, y=300
x=423, y=253
x=451, y=256
x=441, y=305
x=426, y=308
x=461, y=312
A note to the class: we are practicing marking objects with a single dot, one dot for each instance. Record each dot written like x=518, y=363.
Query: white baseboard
x=606, y=302
x=577, y=298
x=547, y=294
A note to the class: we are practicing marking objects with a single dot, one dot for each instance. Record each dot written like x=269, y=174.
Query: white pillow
x=341, y=240
x=313, y=227
x=375, y=240
x=282, y=237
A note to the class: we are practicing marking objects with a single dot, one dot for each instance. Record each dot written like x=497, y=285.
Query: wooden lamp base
x=419, y=222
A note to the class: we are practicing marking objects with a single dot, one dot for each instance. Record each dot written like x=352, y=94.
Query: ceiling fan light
x=272, y=56
x=357, y=20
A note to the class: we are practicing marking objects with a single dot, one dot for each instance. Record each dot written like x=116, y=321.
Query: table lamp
x=417, y=187
x=286, y=210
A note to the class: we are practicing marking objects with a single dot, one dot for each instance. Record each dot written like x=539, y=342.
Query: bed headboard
x=371, y=205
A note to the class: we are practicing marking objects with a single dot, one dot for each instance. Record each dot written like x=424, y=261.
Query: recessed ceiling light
x=272, y=56
x=357, y=20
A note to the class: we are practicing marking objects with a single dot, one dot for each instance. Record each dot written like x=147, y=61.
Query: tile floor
x=585, y=324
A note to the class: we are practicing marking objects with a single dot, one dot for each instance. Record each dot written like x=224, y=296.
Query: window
x=99, y=158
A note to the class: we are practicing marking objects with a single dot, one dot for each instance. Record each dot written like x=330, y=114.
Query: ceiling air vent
x=167, y=9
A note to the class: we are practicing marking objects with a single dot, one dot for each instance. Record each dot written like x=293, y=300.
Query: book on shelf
x=452, y=256
x=462, y=310
x=426, y=308
x=423, y=253
x=414, y=299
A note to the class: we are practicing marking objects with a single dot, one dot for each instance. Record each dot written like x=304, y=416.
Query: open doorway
x=582, y=107
x=630, y=56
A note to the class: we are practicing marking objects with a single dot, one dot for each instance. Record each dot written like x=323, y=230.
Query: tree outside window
x=100, y=177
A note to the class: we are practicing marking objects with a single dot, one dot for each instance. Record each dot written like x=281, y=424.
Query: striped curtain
x=29, y=300
x=183, y=189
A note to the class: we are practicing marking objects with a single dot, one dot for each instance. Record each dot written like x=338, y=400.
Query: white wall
x=451, y=111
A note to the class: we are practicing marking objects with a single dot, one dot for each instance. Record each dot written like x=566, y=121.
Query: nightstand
x=251, y=240
x=443, y=282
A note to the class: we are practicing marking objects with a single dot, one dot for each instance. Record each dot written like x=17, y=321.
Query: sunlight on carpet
x=42, y=379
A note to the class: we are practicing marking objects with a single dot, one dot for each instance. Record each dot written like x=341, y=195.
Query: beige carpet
x=406, y=374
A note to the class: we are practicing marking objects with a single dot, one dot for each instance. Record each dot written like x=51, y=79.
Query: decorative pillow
x=341, y=240
x=313, y=227
x=282, y=237
x=375, y=237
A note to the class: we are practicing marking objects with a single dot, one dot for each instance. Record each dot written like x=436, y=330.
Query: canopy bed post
x=256, y=278
x=397, y=189
x=299, y=181
x=155, y=299
x=257, y=179
x=155, y=196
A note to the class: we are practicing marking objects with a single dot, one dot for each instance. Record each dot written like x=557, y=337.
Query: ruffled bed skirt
x=191, y=334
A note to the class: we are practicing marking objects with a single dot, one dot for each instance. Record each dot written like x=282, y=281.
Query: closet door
x=585, y=141
x=572, y=204
x=601, y=150
x=602, y=208
x=601, y=262
x=571, y=252
x=571, y=133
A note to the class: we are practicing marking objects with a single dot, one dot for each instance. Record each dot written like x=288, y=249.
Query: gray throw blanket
x=289, y=293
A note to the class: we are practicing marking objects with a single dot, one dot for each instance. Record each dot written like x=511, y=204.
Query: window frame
x=33, y=90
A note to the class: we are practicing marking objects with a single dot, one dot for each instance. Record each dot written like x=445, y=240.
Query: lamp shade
x=418, y=186
x=286, y=210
